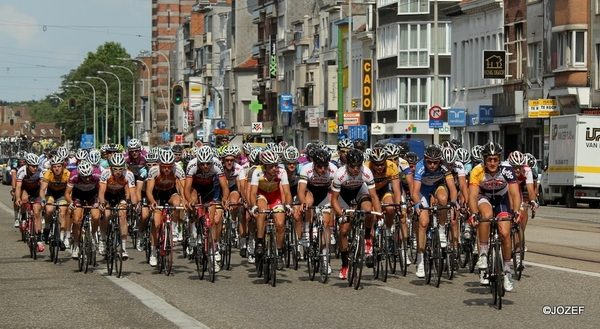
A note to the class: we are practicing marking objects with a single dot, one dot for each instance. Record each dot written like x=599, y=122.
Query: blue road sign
x=166, y=136
x=221, y=124
x=87, y=141
x=356, y=132
x=486, y=114
x=436, y=124
x=457, y=117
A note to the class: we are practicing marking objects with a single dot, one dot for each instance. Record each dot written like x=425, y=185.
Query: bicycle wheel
x=274, y=258
x=210, y=250
x=360, y=260
x=118, y=250
x=227, y=245
x=109, y=250
x=499, y=277
x=266, y=258
x=168, y=249
x=185, y=232
x=375, y=254
x=199, y=254
x=87, y=249
x=312, y=254
x=293, y=246
x=384, y=254
x=518, y=263
x=403, y=252
x=352, y=254
x=428, y=259
x=449, y=251
x=54, y=243
x=146, y=238
x=437, y=257
x=82, y=259
x=412, y=238
x=325, y=258
x=32, y=240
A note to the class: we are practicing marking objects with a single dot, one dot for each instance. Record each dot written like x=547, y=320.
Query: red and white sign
x=190, y=115
x=178, y=139
x=435, y=113
x=257, y=127
x=198, y=144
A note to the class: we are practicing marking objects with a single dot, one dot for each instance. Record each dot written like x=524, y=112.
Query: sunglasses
x=169, y=166
x=32, y=165
x=118, y=168
x=323, y=165
x=430, y=162
x=354, y=165
x=270, y=166
x=378, y=164
x=343, y=150
x=496, y=159
x=205, y=164
x=228, y=160
x=135, y=151
x=85, y=177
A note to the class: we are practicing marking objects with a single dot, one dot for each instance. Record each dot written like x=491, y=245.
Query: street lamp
x=119, y=121
x=106, y=114
x=84, y=116
x=94, y=97
x=132, y=97
x=168, y=103
x=149, y=84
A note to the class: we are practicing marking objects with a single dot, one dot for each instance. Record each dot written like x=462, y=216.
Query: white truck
x=572, y=171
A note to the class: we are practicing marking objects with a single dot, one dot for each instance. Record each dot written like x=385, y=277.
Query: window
x=413, y=7
x=333, y=36
x=414, y=48
x=534, y=60
x=413, y=100
x=444, y=38
x=571, y=49
x=444, y=93
x=518, y=50
x=387, y=94
x=387, y=43
x=281, y=27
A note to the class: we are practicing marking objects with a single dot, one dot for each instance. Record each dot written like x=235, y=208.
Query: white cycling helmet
x=134, y=144
x=85, y=169
x=81, y=154
x=93, y=157
x=517, y=158
x=62, y=152
x=166, y=157
x=32, y=159
x=449, y=155
x=117, y=160
x=291, y=154
x=205, y=154
x=269, y=157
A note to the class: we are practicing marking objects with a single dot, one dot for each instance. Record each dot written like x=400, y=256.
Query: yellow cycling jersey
x=391, y=172
x=57, y=183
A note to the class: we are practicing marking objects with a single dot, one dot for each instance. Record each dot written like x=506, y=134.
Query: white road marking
x=564, y=269
x=155, y=303
x=7, y=209
x=397, y=291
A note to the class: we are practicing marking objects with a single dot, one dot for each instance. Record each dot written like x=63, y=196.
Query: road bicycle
x=54, y=233
x=229, y=235
x=267, y=263
x=318, y=256
x=356, y=240
x=517, y=239
x=114, y=245
x=495, y=271
x=87, y=242
x=398, y=240
x=166, y=247
x=433, y=256
x=31, y=231
x=290, y=243
x=204, y=252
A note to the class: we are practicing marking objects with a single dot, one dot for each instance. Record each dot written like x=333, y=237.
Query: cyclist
x=524, y=174
x=269, y=189
x=360, y=144
x=200, y=186
x=82, y=190
x=253, y=163
x=233, y=172
x=354, y=182
x=14, y=167
x=476, y=155
x=433, y=182
x=163, y=187
x=344, y=145
x=71, y=161
x=117, y=187
x=28, y=189
x=493, y=192
x=52, y=190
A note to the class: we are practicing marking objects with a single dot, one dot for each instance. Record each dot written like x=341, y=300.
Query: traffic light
x=32, y=125
x=177, y=95
x=72, y=104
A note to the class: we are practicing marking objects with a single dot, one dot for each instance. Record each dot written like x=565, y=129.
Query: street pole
x=106, y=113
x=340, y=78
x=84, y=116
x=133, y=81
x=436, y=68
x=149, y=86
x=168, y=106
x=119, y=120
x=94, y=97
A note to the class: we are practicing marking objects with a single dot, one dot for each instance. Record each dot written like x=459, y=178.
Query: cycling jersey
x=391, y=172
x=116, y=185
x=136, y=166
x=232, y=175
x=56, y=184
x=71, y=164
x=496, y=184
x=77, y=183
x=164, y=182
x=431, y=179
x=342, y=180
x=317, y=184
x=29, y=182
x=201, y=178
x=269, y=186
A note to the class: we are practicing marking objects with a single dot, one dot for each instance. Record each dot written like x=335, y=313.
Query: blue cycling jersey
x=428, y=178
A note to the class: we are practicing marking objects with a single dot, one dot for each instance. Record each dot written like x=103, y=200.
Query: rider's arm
x=18, y=192
x=514, y=197
x=375, y=199
x=416, y=192
x=302, y=192
x=68, y=196
x=335, y=203
x=43, y=187
x=187, y=189
x=451, y=188
x=287, y=194
x=396, y=190
x=464, y=188
x=224, y=187
x=101, y=192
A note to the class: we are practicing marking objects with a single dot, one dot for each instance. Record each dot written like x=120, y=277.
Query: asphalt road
x=564, y=245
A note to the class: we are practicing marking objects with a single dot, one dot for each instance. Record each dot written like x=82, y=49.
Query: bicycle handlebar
x=366, y=212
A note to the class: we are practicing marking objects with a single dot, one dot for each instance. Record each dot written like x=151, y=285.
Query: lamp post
x=84, y=116
x=94, y=97
x=168, y=106
x=119, y=120
x=106, y=114
x=149, y=85
x=132, y=97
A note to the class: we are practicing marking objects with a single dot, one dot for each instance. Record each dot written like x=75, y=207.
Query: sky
x=42, y=40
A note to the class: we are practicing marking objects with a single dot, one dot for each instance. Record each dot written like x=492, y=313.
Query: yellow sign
x=543, y=108
x=367, y=85
x=332, y=126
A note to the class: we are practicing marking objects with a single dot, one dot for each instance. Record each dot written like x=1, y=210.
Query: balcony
x=258, y=16
x=271, y=11
x=207, y=39
x=271, y=86
x=256, y=86
x=256, y=51
x=384, y=3
x=207, y=70
x=198, y=41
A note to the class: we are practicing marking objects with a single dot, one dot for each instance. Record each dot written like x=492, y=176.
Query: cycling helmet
x=155, y=150
x=456, y=144
x=449, y=155
x=81, y=154
x=412, y=157
x=21, y=155
x=269, y=157
x=228, y=151
x=345, y=144
x=291, y=154
x=463, y=155
x=476, y=153
x=255, y=155
x=310, y=149
x=117, y=160
x=186, y=156
x=368, y=152
x=235, y=149
x=446, y=144
x=177, y=148
x=360, y=144
x=205, y=154
x=433, y=152
x=248, y=148
x=57, y=160
x=517, y=158
x=378, y=145
x=166, y=157
x=391, y=150
x=378, y=154
x=278, y=149
x=321, y=156
x=531, y=160
x=103, y=148
x=93, y=157
x=112, y=147
x=270, y=145
x=404, y=147
x=85, y=168
x=354, y=156
x=134, y=144
x=32, y=159
x=491, y=148
x=62, y=152
x=152, y=157
x=284, y=144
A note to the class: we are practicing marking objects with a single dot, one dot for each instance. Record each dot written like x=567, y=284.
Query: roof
x=249, y=63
